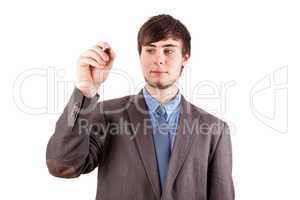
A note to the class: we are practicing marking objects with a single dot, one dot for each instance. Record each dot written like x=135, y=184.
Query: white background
x=243, y=68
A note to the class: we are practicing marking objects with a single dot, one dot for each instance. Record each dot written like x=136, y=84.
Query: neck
x=162, y=95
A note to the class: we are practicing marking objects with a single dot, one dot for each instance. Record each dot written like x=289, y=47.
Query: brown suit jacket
x=116, y=136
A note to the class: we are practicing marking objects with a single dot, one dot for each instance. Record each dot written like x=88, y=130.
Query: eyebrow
x=166, y=45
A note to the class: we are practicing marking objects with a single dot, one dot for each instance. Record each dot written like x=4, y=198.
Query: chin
x=159, y=85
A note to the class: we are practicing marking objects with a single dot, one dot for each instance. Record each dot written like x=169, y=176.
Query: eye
x=169, y=51
x=150, y=51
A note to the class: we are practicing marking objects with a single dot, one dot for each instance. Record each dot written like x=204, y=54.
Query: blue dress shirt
x=172, y=108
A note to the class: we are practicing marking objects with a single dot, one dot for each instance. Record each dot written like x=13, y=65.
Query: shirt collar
x=170, y=106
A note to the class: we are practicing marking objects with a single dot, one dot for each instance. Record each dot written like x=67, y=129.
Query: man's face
x=162, y=62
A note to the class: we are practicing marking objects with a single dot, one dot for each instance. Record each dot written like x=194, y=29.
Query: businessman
x=149, y=146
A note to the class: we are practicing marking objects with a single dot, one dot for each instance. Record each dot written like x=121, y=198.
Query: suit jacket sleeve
x=220, y=183
x=77, y=143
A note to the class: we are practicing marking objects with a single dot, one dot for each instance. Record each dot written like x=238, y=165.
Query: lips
x=158, y=72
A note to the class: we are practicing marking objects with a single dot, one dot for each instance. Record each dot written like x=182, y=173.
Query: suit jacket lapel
x=140, y=119
x=183, y=142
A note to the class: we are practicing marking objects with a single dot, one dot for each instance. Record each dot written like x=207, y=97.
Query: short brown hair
x=161, y=27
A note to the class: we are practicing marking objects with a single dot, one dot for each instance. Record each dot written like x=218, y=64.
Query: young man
x=150, y=146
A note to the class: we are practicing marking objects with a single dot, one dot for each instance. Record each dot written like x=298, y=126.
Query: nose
x=160, y=58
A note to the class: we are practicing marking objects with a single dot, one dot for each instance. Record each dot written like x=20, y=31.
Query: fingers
x=105, y=47
x=83, y=61
x=99, y=56
x=112, y=54
x=93, y=54
x=101, y=52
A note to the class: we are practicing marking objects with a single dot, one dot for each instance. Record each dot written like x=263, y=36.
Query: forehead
x=165, y=43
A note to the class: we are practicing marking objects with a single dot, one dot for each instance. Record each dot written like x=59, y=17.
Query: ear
x=185, y=59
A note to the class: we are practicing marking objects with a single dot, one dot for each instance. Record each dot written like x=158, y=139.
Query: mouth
x=158, y=72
